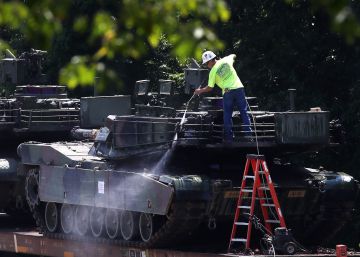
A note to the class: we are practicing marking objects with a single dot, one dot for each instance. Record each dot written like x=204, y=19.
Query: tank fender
x=35, y=153
x=336, y=188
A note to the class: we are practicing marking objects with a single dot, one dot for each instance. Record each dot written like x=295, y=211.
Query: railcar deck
x=33, y=243
x=24, y=240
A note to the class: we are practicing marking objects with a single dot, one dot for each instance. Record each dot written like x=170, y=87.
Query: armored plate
x=94, y=117
x=302, y=128
x=57, y=154
x=104, y=188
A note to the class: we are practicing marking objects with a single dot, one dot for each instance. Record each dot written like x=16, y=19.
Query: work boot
x=227, y=142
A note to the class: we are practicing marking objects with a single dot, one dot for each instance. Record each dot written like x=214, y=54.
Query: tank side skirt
x=104, y=188
x=183, y=218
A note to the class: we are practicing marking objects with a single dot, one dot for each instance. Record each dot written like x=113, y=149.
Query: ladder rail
x=264, y=191
x=237, y=212
x=274, y=195
x=252, y=209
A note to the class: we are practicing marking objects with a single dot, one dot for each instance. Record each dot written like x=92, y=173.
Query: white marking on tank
x=101, y=187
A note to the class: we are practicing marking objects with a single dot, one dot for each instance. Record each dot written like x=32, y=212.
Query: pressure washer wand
x=186, y=108
x=183, y=117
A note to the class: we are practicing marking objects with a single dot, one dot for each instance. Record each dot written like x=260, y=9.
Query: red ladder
x=262, y=183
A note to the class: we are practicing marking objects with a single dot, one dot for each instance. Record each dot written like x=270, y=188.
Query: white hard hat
x=207, y=56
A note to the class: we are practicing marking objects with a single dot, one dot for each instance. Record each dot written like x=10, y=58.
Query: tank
x=152, y=178
x=32, y=110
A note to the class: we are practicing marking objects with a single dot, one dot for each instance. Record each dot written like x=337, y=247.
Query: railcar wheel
x=129, y=225
x=67, y=218
x=97, y=216
x=146, y=226
x=32, y=188
x=112, y=223
x=82, y=220
x=51, y=217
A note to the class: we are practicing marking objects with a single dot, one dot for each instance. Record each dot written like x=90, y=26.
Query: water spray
x=161, y=164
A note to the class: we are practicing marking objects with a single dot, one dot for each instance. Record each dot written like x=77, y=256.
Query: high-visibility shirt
x=224, y=75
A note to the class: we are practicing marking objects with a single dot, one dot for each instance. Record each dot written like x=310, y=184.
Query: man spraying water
x=223, y=74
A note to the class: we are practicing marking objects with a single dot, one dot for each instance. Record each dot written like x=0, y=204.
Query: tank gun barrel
x=83, y=134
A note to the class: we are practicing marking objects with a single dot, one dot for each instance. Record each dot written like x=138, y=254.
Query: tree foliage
x=109, y=29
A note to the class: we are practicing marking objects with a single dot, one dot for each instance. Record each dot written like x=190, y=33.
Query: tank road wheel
x=82, y=220
x=67, y=218
x=129, y=225
x=112, y=224
x=146, y=226
x=289, y=248
x=97, y=216
x=51, y=217
x=32, y=188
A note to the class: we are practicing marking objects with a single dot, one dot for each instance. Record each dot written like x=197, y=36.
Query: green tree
x=125, y=29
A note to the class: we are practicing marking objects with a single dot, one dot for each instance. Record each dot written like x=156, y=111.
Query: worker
x=223, y=74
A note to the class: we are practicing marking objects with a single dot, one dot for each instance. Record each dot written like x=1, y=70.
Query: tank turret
x=26, y=69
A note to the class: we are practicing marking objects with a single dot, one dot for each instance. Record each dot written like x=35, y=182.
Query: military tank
x=154, y=177
x=32, y=109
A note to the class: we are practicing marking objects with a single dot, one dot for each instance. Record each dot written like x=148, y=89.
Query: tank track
x=183, y=219
x=31, y=187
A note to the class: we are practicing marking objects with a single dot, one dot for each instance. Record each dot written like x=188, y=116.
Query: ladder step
x=242, y=223
x=268, y=204
x=244, y=207
x=262, y=198
x=252, y=177
x=247, y=190
x=273, y=221
x=238, y=240
x=264, y=188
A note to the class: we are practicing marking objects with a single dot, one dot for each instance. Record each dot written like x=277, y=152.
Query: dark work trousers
x=231, y=98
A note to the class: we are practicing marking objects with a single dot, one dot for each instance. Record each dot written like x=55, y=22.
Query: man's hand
x=198, y=91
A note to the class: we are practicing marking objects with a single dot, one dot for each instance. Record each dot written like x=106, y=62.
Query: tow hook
x=322, y=186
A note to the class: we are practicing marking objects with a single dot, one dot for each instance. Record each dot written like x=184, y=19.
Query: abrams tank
x=155, y=177
x=31, y=109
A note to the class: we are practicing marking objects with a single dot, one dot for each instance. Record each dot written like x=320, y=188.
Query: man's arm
x=200, y=91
